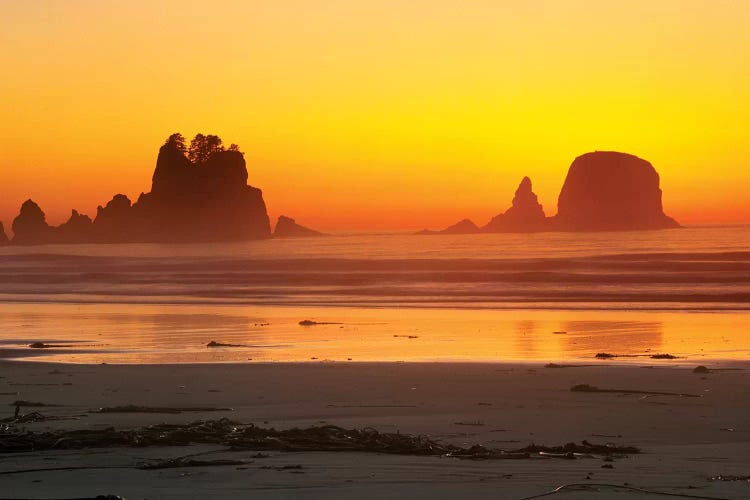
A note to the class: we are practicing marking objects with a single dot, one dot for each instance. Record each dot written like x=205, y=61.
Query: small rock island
x=287, y=227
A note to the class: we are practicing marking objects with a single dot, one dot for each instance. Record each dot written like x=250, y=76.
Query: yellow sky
x=376, y=114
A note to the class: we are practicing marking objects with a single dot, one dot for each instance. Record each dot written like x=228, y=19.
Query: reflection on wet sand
x=526, y=337
x=622, y=337
x=179, y=334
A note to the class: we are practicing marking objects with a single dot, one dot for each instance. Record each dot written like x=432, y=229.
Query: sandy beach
x=685, y=441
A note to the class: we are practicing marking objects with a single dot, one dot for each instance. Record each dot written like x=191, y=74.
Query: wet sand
x=685, y=441
x=166, y=334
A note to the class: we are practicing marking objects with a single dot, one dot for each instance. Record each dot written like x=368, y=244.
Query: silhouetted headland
x=287, y=227
x=603, y=191
x=198, y=193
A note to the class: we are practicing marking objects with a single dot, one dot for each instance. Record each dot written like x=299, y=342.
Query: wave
x=718, y=279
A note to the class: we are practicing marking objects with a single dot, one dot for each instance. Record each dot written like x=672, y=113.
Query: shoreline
x=719, y=364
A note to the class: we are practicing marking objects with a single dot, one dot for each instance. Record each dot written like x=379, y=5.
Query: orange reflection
x=130, y=333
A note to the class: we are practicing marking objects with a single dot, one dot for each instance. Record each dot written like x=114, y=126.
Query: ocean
x=385, y=297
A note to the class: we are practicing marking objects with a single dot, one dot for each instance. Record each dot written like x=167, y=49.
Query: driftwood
x=593, y=388
x=555, y=365
x=725, y=477
x=664, y=356
x=175, y=463
x=606, y=355
x=42, y=345
x=34, y=416
x=34, y=404
x=156, y=409
x=282, y=467
x=613, y=488
x=213, y=343
x=309, y=322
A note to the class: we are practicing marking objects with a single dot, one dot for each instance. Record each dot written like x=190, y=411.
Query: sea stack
x=287, y=227
x=3, y=237
x=78, y=228
x=198, y=194
x=526, y=215
x=114, y=222
x=611, y=191
x=30, y=226
x=207, y=199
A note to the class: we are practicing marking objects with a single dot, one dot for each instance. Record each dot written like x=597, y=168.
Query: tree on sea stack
x=203, y=147
x=177, y=141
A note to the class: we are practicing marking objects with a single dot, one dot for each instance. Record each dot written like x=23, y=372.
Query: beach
x=442, y=342
x=685, y=441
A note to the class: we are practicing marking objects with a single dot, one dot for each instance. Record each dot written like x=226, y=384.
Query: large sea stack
x=198, y=194
x=610, y=191
x=208, y=200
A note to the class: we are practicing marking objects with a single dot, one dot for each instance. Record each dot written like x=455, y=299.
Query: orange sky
x=377, y=114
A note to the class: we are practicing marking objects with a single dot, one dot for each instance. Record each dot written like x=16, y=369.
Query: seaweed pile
x=238, y=437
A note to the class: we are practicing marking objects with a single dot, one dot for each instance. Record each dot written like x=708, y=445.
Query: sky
x=375, y=115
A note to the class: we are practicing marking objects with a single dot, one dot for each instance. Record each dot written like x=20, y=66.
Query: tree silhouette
x=177, y=141
x=202, y=147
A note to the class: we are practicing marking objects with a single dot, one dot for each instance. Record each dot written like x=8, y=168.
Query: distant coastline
x=199, y=193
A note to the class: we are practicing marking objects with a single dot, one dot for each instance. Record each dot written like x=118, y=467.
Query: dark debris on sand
x=238, y=436
x=213, y=343
x=607, y=355
x=156, y=409
x=593, y=388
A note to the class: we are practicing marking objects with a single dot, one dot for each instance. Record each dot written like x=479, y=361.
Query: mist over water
x=392, y=297
x=692, y=268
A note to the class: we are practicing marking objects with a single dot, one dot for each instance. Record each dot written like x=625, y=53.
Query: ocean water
x=390, y=297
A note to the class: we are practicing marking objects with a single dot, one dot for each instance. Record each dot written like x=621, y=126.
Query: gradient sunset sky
x=377, y=114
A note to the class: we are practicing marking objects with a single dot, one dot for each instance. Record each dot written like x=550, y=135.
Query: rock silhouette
x=525, y=215
x=30, y=226
x=287, y=227
x=465, y=226
x=78, y=228
x=200, y=194
x=603, y=191
x=206, y=199
x=115, y=222
x=3, y=236
x=209, y=201
x=607, y=190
